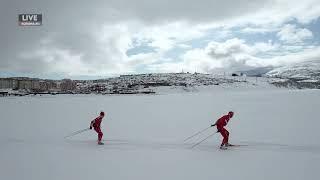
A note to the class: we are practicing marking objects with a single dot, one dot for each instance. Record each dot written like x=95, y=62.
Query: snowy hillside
x=300, y=75
x=141, y=81
x=144, y=135
x=305, y=70
x=126, y=84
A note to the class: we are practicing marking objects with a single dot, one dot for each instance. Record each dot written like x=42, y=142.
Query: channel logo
x=30, y=19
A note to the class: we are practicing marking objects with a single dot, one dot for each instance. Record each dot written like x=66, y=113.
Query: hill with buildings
x=305, y=75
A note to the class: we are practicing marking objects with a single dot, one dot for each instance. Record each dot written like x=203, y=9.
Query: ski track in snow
x=126, y=144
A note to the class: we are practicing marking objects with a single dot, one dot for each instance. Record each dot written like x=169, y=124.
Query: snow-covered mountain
x=309, y=70
x=299, y=75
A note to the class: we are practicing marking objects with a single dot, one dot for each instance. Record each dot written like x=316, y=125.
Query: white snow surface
x=143, y=136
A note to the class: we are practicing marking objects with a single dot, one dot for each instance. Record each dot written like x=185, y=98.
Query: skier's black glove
x=213, y=125
x=90, y=127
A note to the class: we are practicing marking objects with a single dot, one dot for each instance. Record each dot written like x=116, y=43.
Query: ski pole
x=196, y=134
x=203, y=140
x=77, y=132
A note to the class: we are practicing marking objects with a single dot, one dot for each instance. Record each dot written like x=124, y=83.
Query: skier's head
x=230, y=114
x=101, y=113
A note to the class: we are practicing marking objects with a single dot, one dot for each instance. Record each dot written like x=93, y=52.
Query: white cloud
x=166, y=36
x=309, y=54
x=166, y=67
x=110, y=43
x=235, y=54
x=277, y=12
x=98, y=43
x=255, y=30
x=55, y=61
x=291, y=34
x=184, y=46
x=230, y=47
x=227, y=12
x=261, y=29
x=231, y=54
x=143, y=59
x=265, y=47
x=104, y=53
x=198, y=60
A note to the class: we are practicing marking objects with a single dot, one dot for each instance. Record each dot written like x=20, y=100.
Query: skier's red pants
x=100, y=134
x=225, y=135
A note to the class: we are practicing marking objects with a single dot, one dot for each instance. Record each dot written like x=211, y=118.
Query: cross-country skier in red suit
x=221, y=123
x=96, y=126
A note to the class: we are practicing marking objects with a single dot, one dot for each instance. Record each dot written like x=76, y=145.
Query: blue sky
x=125, y=37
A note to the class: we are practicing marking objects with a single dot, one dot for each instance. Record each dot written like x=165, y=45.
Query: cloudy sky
x=93, y=39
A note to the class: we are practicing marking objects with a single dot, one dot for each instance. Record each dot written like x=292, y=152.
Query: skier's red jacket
x=223, y=121
x=96, y=122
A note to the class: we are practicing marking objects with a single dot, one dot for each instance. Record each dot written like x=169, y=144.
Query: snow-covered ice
x=144, y=135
